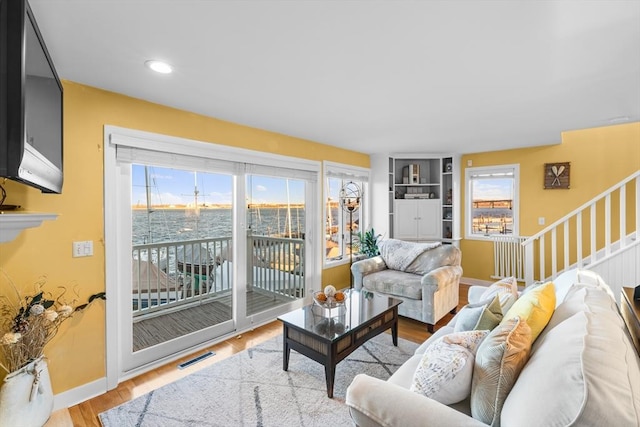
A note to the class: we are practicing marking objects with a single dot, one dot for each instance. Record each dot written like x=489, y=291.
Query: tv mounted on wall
x=31, y=138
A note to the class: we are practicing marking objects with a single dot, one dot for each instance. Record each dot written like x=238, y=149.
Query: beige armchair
x=425, y=276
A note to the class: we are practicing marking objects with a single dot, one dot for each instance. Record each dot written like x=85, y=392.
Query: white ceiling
x=372, y=76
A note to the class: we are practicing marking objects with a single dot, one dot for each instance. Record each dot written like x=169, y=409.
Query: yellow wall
x=600, y=158
x=77, y=355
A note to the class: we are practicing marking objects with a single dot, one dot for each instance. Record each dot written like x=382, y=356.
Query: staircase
x=602, y=235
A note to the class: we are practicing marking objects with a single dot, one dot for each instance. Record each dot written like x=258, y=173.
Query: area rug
x=251, y=389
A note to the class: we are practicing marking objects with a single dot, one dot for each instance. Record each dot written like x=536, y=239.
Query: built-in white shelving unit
x=423, y=197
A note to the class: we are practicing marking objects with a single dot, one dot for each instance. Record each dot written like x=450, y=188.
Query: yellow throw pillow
x=535, y=307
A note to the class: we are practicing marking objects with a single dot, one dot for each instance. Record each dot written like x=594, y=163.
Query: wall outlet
x=82, y=249
x=541, y=220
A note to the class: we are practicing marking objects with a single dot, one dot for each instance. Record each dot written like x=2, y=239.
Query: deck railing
x=277, y=265
x=168, y=276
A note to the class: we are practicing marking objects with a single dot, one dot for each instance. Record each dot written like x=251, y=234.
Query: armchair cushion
x=396, y=283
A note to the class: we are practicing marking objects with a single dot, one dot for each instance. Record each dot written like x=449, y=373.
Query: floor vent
x=196, y=360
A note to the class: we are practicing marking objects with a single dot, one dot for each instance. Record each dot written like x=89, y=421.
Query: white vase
x=26, y=397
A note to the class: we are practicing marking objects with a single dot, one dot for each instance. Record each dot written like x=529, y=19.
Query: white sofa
x=582, y=370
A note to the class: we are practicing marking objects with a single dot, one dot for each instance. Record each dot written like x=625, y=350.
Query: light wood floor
x=86, y=413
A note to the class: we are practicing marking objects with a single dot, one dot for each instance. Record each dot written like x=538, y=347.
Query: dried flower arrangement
x=30, y=322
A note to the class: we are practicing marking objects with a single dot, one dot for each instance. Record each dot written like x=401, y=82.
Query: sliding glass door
x=199, y=248
x=275, y=242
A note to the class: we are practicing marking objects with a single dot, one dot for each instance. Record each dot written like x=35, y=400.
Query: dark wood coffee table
x=328, y=336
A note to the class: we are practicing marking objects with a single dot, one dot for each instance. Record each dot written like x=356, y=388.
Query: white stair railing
x=597, y=230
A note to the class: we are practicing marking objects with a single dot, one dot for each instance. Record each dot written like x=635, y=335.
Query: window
x=344, y=221
x=492, y=201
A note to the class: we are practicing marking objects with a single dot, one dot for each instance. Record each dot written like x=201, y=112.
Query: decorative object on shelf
x=29, y=323
x=414, y=173
x=556, y=175
x=449, y=196
x=447, y=233
x=350, y=197
x=448, y=167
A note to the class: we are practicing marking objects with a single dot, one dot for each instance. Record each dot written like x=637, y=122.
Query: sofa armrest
x=361, y=268
x=442, y=277
x=374, y=402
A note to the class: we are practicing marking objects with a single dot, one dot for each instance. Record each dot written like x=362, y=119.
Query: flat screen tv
x=30, y=102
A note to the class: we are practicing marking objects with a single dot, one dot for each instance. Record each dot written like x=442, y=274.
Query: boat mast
x=149, y=210
x=288, y=208
x=195, y=197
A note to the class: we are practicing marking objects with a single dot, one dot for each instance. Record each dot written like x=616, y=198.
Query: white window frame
x=347, y=173
x=497, y=171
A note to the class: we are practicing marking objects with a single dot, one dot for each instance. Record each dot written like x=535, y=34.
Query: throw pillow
x=536, y=307
x=484, y=315
x=498, y=363
x=506, y=289
x=446, y=368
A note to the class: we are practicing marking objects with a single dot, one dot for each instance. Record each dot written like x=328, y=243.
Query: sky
x=493, y=189
x=176, y=187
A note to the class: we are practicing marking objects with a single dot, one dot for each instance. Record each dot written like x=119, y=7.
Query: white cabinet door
x=417, y=220
x=429, y=221
x=405, y=225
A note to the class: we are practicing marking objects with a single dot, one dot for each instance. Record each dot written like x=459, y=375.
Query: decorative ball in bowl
x=329, y=297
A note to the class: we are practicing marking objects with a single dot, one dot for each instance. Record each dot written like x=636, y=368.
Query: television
x=31, y=139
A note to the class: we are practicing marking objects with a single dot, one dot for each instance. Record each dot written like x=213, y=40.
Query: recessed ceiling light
x=159, y=66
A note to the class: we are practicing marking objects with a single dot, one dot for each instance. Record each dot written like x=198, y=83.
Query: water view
x=172, y=225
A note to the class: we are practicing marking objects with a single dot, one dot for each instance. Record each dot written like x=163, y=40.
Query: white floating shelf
x=12, y=223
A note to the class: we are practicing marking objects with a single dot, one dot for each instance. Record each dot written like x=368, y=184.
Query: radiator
x=508, y=257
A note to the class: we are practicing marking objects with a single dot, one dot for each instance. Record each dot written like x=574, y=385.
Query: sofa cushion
x=579, y=298
x=484, y=315
x=581, y=372
x=536, y=307
x=498, y=363
x=506, y=289
x=393, y=282
x=445, y=369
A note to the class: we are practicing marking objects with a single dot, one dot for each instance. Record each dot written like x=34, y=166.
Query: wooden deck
x=164, y=327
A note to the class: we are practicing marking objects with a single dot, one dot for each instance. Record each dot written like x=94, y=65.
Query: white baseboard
x=475, y=282
x=77, y=395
